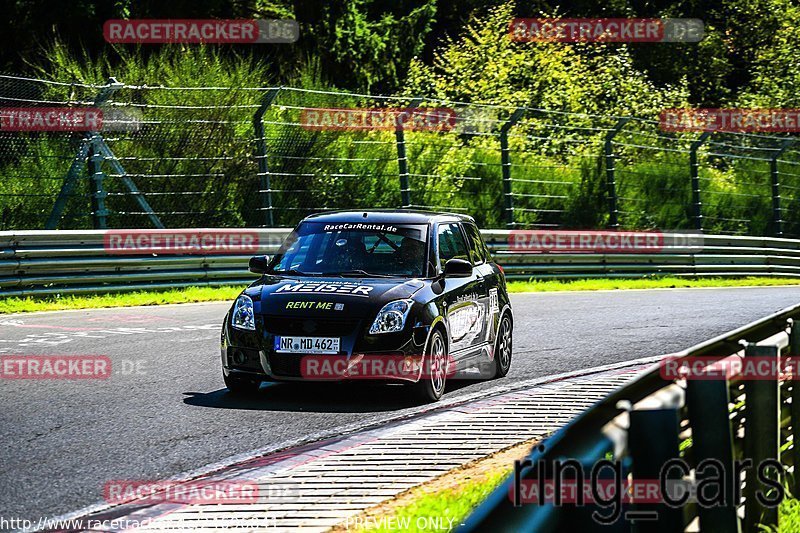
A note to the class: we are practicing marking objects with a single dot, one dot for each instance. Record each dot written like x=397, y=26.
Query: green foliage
x=775, y=68
x=364, y=44
x=485, y=65
x=788, y=516
x=438, y=49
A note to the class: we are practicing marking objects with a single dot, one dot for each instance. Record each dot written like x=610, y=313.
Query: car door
x=482, y=262
x=462, y=298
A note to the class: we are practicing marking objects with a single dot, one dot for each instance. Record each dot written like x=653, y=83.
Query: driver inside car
x=411, y=256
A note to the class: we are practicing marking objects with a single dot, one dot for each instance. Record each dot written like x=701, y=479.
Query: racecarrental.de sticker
x=387, y=228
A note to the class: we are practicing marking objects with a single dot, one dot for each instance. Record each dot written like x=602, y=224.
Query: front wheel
x=434, y=369
x=241, y=387
x=502, y=350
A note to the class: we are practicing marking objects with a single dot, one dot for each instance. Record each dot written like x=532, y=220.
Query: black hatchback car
x=398, y=296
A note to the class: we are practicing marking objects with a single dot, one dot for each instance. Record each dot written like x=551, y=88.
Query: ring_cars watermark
x=607, y=487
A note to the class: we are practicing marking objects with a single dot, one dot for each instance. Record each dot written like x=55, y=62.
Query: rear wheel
x=434, y=369
x=241, y=387
x=502, y=350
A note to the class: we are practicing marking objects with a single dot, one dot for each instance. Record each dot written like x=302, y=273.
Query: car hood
x=328, y=296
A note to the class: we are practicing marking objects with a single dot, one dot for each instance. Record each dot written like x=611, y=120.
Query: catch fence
x=182, y=157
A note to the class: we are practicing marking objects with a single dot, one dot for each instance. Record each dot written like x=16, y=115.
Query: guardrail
x=76, y=261
x=653, y=420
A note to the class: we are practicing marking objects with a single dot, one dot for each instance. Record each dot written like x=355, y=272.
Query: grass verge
x=645, y=283
x=173, y=296
x=443, y=503
x=211, y=294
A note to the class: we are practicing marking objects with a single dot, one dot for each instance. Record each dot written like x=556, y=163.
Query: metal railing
x=76, y=261
x=653, y=420
x=244, y=156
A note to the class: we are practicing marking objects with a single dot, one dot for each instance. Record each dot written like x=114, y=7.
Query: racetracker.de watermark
x=386, y=119
x=335, y=367
x=591, y=241
x=51, y=119
x=606, y=30
x=189, y=241
x=201, y=31
x=402, y=367
x=55, y=367
x=186, y=492
x=730, y=120
x=748, y=368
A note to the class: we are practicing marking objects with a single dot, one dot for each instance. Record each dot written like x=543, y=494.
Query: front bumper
x=386, y=357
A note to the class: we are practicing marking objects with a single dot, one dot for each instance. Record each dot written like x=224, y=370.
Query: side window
x=451, y=243
x=477, y=250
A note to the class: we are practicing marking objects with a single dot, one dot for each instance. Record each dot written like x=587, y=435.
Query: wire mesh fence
x=268, y=156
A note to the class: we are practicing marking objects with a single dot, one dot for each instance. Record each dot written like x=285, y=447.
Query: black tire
x=241, y=387
x=502, y=347
x=431, y=384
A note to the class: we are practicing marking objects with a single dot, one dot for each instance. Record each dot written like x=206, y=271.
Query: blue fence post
x=80, y=159
x=712, y=438
x=505, y=160
x=402, y=159
x=265, y=191
x=694, y=170
x=100, y=145
x=794, y=352
x=611, y=180
x=99, y=194
x=777, y=216
x=648, y=458
x=761, y=437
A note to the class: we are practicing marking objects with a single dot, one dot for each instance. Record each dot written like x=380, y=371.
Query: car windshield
x=354, y=249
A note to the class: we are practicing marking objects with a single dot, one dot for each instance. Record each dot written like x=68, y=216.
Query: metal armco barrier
x=75, y=261
x=652, y=420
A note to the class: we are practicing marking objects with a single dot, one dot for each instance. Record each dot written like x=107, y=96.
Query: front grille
x=309, y=327
x=285, y=365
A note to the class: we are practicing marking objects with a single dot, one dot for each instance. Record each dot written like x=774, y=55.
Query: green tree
x=484, y=64
x=364, y=44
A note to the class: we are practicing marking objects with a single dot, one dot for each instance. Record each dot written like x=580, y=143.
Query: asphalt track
x=165, y=411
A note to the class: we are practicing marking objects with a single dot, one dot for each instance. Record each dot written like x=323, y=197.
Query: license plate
x=329, y=345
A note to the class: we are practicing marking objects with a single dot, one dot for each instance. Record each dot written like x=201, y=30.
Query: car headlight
x=243, y=317
x=392, y=317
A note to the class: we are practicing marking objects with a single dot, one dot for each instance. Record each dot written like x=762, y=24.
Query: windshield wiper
x=357, y=273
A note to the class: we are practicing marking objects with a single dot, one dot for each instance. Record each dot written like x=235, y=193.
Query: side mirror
x=457, y=268
x=259, y=264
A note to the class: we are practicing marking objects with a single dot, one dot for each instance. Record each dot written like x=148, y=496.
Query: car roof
x=388, y=216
